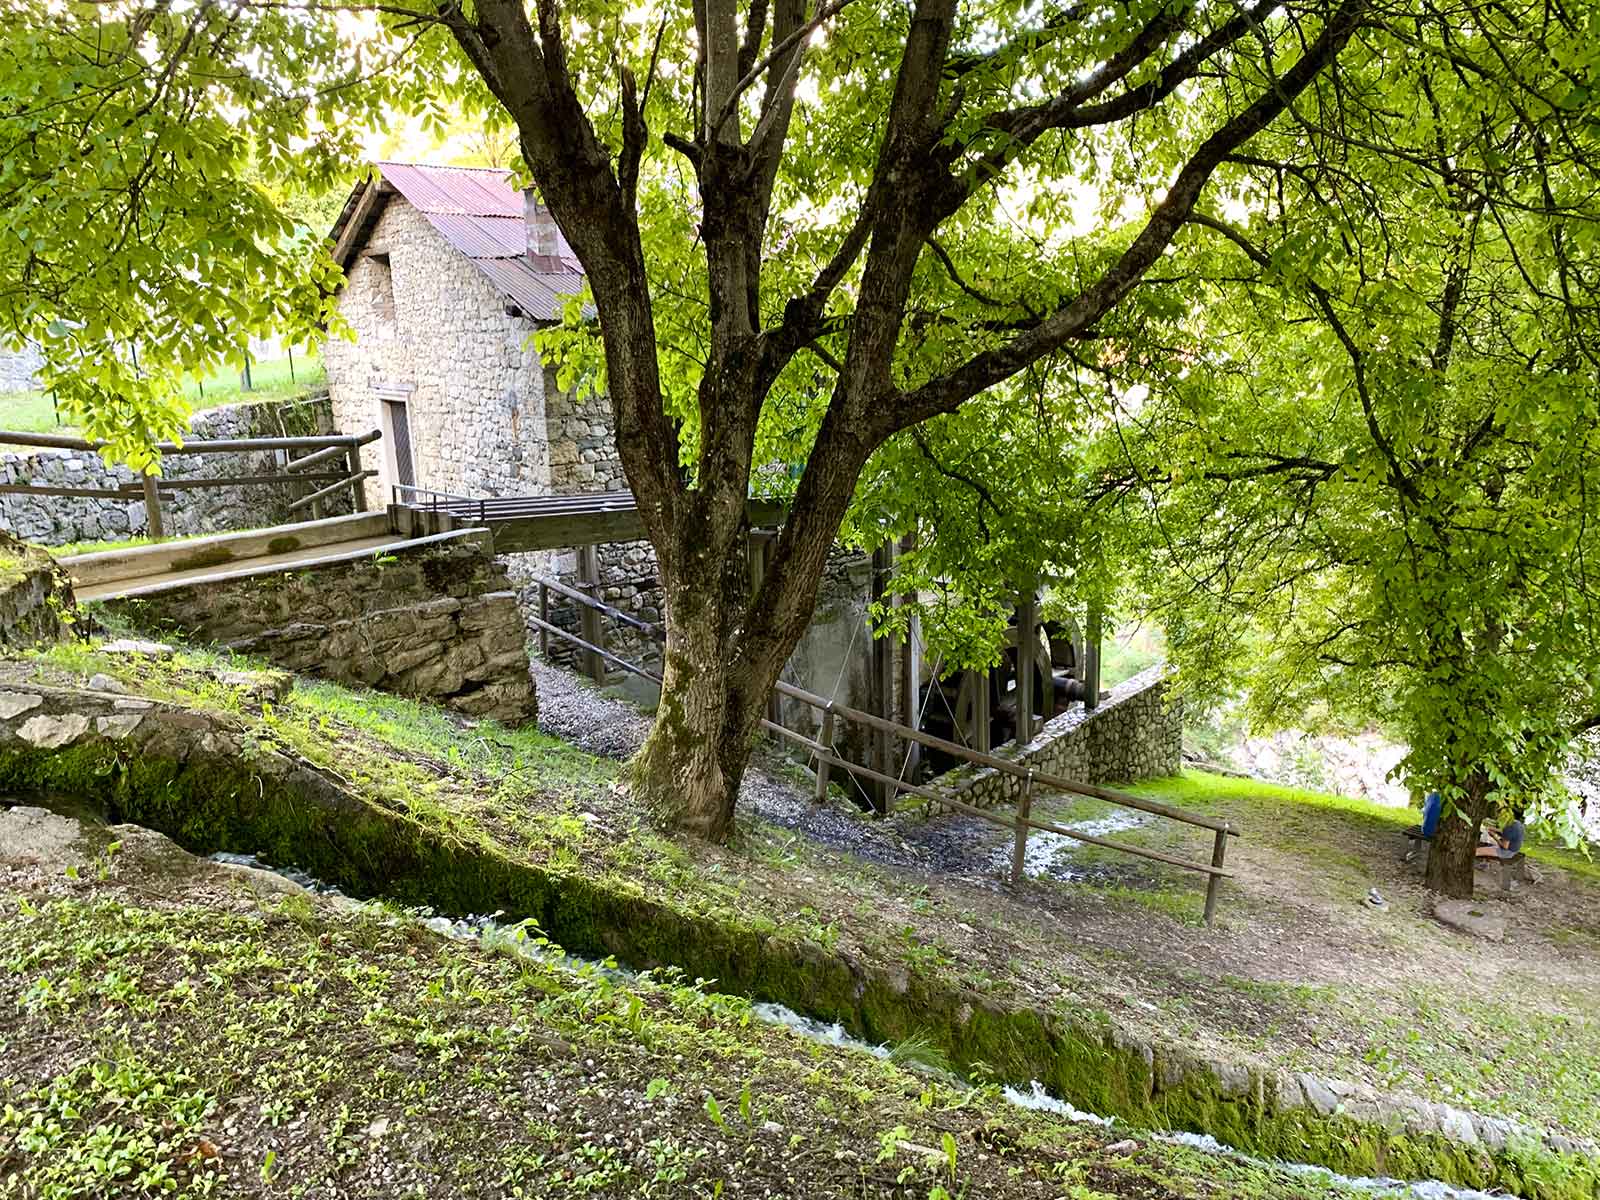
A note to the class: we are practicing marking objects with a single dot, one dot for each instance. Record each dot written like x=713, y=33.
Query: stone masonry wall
x=19, y=368
x=36, y=605
x=437, y=622
x=486, y=417
x=56, y=520
x=1136, y=732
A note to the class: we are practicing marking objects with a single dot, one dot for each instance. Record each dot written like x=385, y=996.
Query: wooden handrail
x=56, y=441
x=1022, y=822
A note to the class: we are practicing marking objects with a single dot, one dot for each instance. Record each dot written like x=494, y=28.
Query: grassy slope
x=547, y=803
x=33, y=412
x=190, y=1051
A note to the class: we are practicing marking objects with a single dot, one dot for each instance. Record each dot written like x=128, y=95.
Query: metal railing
x=341, y=451
x=822, y=752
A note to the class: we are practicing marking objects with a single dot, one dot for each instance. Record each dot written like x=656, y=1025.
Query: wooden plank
x=56, y=441
x=29, y=489
x=624, y=664
x=332, y=452
x=1155, y=855
x=658, y=632
x=271, y=564
x=193, y=485
x=344, y=482
x=353, y=229
x=134, y=561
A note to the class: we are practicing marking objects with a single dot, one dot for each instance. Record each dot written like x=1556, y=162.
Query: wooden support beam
x=1027, y=609
x=1091, y=657
x=155, y=527
x=593, y=626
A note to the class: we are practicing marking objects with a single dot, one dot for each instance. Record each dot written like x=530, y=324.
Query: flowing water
x=489, y=931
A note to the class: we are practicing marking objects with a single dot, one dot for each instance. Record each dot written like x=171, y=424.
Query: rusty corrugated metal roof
x=462, y=191
x=479, y=212
x=539, y=294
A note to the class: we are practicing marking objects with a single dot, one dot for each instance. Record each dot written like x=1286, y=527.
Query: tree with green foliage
x=139, y=243
x=819, y=227
x=1367, y=487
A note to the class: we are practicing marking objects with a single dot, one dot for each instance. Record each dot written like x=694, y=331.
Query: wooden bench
x=1513, y=869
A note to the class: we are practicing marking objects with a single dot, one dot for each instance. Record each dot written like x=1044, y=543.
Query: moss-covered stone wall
x=438, y=622
x=205, y=781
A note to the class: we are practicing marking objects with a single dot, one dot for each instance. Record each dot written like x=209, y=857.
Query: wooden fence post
x=155, y=530
x=1218, y=851
x=1019, y=854
x=358, y=483
x=594, y=630
x=544, y=615
x=824, y=740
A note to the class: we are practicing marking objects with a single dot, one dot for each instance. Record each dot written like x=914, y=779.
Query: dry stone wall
x=57, y=520
x=438, y=622
x=35, y=596
x=19, y=368
x=1136, y=732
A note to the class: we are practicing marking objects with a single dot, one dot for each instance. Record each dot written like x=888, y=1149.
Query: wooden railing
x=822, y=752
x=341, y=452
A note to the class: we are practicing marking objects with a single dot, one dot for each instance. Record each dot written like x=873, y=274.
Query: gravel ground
x=950, y=845
x=575, y=710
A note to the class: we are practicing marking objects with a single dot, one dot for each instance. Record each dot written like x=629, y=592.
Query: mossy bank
x=219, y=780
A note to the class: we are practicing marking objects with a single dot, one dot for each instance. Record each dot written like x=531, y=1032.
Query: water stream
x=489, y=931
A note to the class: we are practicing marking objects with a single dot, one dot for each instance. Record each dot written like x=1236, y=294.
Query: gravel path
x=952, y=846
x=573, y=709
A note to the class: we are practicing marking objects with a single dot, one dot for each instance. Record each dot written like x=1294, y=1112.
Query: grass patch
x=35, y=412
x=194, y=1051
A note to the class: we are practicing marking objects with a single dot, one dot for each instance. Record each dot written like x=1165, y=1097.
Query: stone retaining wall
x=438, y=622
x=57, y=520
x=35, y=596
x=1136, y=732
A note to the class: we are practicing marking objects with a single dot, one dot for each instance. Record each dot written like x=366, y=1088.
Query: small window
x=382, y=286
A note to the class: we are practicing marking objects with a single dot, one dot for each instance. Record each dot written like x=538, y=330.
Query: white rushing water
x=1049, y=855
x=489, y=931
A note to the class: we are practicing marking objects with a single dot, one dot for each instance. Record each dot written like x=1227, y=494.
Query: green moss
x=283, y=545
x=211, y=556
x=209, y=803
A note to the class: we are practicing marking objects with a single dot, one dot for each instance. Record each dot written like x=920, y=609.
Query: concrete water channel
x=513, y=936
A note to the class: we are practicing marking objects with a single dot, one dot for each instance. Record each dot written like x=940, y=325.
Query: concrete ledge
x=108, y=566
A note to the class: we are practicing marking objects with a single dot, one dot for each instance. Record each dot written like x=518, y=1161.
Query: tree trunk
x=714, y=687
x=1452, y=859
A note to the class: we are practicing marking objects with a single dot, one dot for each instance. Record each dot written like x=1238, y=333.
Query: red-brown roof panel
x=475, y=209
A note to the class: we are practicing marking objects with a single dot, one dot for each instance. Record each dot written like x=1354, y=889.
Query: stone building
x=449, y=273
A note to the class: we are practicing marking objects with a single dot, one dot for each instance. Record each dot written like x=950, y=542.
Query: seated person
x=1503, y=843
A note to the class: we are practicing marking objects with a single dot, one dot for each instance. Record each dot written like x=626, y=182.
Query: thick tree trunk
x=1452, y=858
x=714, y=686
